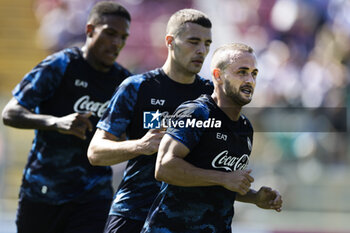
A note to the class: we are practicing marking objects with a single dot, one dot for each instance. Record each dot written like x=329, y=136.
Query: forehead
x=114, y=22
x=189, y=30
x=242, y=59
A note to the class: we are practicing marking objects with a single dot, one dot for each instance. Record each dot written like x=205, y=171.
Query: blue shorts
x=66, y=218
x=119, y=224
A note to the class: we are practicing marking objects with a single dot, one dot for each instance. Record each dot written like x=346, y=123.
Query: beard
x=235, y=95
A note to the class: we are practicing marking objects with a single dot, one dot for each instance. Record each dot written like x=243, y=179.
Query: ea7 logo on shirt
x=157, y=102
x=221, y=136
x=80, y=83
x=229, y=162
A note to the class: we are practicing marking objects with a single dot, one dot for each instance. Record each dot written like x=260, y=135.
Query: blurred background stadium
x=303, y=49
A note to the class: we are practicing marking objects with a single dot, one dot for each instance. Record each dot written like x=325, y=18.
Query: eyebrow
x=196, y=38
x=116, y=30
x=246, y=68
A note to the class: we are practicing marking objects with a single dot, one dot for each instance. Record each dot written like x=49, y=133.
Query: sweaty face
x=108, y=38
x=239, y=79
x=190, y=47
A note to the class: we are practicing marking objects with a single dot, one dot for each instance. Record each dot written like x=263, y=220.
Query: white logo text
x=230, y=163
x=157, y=102
x=80, y=83
x=85, y=105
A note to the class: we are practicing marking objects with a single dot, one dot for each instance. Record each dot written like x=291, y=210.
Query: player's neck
x=177, y=74
x=232, y=110
x=93, y=62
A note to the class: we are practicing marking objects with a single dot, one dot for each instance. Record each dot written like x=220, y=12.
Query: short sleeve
x=183, y=126
x=120, y=110
x=41, y=82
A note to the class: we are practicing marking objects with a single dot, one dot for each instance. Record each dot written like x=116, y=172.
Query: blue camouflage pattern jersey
x=224, y=147
x=150, y=91
x=58, y=169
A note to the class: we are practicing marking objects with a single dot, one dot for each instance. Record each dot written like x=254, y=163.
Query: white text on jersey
x=221, y=136
x=80, y=83
x=157, y=102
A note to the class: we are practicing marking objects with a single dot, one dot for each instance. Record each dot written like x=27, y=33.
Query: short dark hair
x=223, y=55
x=106, y=8
x=179, y=18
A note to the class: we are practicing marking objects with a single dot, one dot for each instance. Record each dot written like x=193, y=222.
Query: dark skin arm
x=265, y=198
x=15, y=115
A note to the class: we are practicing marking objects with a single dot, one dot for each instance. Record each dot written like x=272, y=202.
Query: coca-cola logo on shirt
x=229, y=162
x=84, y=104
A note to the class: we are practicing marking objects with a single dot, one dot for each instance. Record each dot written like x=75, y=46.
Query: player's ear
x=216, y=74
x=169, y=41
x=89, y=30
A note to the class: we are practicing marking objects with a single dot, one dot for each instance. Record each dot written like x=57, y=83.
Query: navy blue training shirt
x=224, y=148
x=58, y=170
x=150, y=91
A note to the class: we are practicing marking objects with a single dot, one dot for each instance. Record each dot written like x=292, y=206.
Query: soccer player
x=155, y=92
x=63, y=98
x=203, y=163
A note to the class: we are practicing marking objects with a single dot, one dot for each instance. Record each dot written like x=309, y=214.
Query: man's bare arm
x=15, y=115
x=107, y=149
x=173, y=169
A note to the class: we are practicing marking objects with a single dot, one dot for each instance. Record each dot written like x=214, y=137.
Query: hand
x=269, y=199
x=75, y=124
x=151, y=140
x=238, y=181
